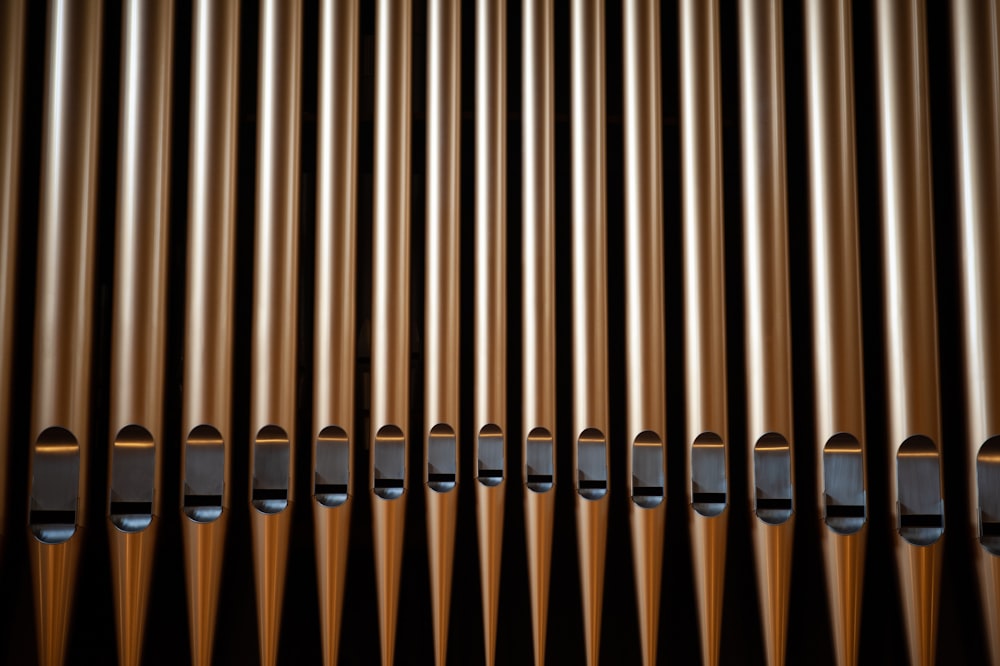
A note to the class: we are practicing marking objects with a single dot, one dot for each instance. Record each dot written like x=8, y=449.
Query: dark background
x=92, y=639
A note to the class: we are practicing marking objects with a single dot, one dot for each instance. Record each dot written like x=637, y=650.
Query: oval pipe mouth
x=490, y=455
x=708, y=475
x=772, y=465
x=844, y=497
x=55, y=486
x=988, y=492
x=442, y=449
x=271, y=467
x=133, y=479
x=539, y=464
x=389, y=463
x=331, y=476
x=648, y=473
x=919, y=504
x=204, y=474
x=592, y=464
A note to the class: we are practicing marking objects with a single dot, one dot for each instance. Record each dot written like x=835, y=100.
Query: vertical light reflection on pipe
x=837, y=341
x=334, y=309
x=273, y=359
x=538, y=322
x=913, y=419
x=390, y=304
x=644, y=322
x=707, y=433
x=975, y=42
x=208, y=335
x=590, y=339
x=138, y=332
x=443, y=316
x=490, y=411
x=767, y=322
x=67, y=225
x=12, y=22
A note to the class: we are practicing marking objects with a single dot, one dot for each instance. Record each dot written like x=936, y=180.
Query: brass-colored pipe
x=490, y=334
x=975, y=40
x=206, y=424
x=590, y=313
x=836, y=290
x=12, y=22
x=334, y=308
x=767, y=314
x=707, y=434
x=442, y=344
x=273, y=358
x=913, y=410
x=138, y=330
x=538, y=320
x=67, y=226
x=644, y=317
x=390, y=344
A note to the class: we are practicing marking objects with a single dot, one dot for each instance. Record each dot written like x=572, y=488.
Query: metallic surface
x=538, y=321
x=12, y=22
x=590, y=338
x=442, y=313
x=390, y=344
x=836, y=296
x=767, y=315
x=138, y=328
x=67, y=225
x=490, y=333
x=644, y=309
x=913, y=408
x=707, y=432
x=208, y=335
x=975, y=42
x=334, y=306
x=273, y=359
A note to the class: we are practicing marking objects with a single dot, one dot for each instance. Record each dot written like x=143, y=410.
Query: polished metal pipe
x=913, y=409
x=334, y=309
x=975, y=40
x=12, y=22
x=836, y=296
x=590, y=314
x=707, y=433
x=273, y=358
x=767, y=314
x=209, y=310
x=442, y=344
x=390, y=344
x=538, y=314
x=490, y=334
x=138, y=326
x=67, y=226
x=645, y=365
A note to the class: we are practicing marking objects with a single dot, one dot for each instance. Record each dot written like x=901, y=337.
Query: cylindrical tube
x=976, y=102
x=913, y=410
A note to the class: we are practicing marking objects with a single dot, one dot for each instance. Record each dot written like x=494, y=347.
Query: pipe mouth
x=844, y=497
x=389, y=463
x=204, y=474
x=919, y=504
x=490, y=455
x=442, y=449
x=331, y=476
x=708, y=475
x=133, y=479
x=592, y=464
x=539, y=460
x=271, y=466
x=648, y=470
x=772, y=472
x=55, y=486
x=988, y=489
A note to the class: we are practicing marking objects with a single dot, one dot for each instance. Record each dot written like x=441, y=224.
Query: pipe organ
x=499, y=331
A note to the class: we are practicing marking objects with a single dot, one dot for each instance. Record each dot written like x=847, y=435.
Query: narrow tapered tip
x=845, y=567
x=54, y=571
x=539, y=514
x=489, y=509
x=773, y=557
x=592, y=530
x=388, y=520
x=442, y=509
x=204, y=547
x=989, y=584
x=270, y=532
x=647, y=557
x=131, y=572
x=332, y=526
x=708, y=546
x=920, y=591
